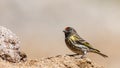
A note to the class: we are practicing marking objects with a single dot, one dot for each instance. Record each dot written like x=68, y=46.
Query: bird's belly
x=74, y=48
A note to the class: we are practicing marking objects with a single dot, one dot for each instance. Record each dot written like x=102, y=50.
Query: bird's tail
x=105, y=56
x=98, y=52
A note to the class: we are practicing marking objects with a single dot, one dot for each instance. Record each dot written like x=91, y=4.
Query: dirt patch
x=60, y=61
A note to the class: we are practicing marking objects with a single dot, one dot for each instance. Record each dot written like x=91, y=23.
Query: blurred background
x=39, y=24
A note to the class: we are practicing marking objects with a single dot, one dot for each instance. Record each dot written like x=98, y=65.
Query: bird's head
x=69, y=31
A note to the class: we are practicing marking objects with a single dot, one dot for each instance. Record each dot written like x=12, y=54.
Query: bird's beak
x=64, y=31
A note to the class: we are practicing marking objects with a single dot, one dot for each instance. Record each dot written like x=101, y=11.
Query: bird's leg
x=83, y=56
x=72, y=54
x=84, y=53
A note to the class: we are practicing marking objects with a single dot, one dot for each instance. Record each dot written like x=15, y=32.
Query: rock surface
x=9, y=46
x=53, y=62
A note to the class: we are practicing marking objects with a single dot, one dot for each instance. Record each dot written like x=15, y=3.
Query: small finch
x=78, y=45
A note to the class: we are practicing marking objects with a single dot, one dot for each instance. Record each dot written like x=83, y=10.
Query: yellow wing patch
x=72, y=37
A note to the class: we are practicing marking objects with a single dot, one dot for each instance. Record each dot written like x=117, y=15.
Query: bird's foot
x=82, y=57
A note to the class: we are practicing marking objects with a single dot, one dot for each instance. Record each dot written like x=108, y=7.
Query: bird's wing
x=81, y=41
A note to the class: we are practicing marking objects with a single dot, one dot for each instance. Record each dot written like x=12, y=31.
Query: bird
x=78, y=45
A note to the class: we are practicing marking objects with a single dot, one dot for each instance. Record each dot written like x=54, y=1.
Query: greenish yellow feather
x=79, y=40
x=73, y=38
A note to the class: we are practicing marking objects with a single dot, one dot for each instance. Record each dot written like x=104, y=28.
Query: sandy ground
x=59, y=61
